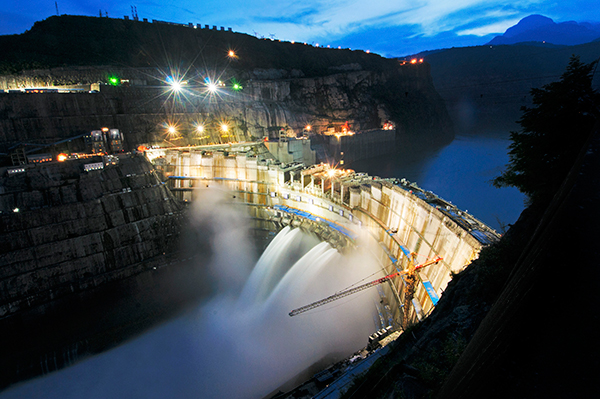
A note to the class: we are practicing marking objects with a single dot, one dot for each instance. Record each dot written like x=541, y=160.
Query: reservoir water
x=460, y=173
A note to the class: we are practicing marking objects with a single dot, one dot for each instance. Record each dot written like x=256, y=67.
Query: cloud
x=328, y=21
x=495, y=28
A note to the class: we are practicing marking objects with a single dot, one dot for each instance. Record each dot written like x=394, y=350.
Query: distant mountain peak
x=538, y=28
x=531, y=22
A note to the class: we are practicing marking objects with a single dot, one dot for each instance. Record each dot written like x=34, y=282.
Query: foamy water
x=241, y=343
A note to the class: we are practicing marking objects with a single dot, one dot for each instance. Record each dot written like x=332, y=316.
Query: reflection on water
x=460, y=173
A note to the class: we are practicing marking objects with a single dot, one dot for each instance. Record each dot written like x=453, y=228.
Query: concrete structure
x=292, y=150
x=362, y=145
x=410, y=225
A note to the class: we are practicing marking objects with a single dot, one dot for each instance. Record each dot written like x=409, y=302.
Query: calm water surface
x=460, y=173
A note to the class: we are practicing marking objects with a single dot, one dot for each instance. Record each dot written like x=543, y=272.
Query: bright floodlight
x=175, y=86
x=331, y=172
x=174, y=83
x=199, y=128
x=231, y=54
x=212, y=87
x=171, y=130
x=224, y=127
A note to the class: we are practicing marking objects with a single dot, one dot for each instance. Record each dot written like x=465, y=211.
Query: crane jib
x=354, y=290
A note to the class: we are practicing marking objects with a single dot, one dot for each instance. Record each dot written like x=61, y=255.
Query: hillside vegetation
x=77, y=41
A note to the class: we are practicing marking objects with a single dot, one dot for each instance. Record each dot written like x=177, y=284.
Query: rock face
x=364, y=98
x=88, y=260
x=285, y=85
x=77, y=230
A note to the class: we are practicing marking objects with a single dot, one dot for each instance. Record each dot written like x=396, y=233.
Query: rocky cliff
x=285, y=85
x=65, y=230
x=75, y=248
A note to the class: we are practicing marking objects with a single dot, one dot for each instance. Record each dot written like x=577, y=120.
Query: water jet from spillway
x=239, y=344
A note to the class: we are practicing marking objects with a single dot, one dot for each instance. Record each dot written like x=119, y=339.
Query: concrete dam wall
x=403, y=219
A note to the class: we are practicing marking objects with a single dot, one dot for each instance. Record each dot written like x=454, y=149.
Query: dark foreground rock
x=520, y=321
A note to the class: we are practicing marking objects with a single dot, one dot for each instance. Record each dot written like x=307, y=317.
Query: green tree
x=553, y=132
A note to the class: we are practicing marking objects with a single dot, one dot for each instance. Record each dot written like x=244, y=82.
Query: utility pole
x=56, y=6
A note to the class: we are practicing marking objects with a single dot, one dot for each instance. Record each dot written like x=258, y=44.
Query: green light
x=113, y=80
x=236, y=85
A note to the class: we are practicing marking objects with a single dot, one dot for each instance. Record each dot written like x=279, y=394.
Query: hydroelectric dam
x=409, y=225
x=113, y=227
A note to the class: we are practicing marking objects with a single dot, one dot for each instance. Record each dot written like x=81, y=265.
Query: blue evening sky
x=386, y=27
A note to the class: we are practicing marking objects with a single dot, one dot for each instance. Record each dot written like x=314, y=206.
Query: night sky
x=387, y=27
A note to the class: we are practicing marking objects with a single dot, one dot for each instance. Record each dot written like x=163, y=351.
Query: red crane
x=410, y=271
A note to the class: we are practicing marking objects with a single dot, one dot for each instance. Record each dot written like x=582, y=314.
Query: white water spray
x=238, y=345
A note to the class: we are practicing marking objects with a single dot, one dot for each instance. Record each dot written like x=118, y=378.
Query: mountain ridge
x=538, y=28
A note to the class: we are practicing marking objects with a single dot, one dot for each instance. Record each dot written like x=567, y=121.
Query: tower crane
x=409, y=288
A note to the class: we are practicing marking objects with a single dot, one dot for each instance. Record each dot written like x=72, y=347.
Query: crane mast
x=359, y=288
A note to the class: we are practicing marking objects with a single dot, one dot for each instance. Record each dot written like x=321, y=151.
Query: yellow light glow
x=224, y=127
x=413, y=61
x=308, y=127
x=231, y=54
x=331, y=173
x=199, y=128
x=61, y=157
x=171, y=130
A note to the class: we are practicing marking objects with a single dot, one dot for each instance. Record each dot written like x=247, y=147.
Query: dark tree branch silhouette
x=553, y=132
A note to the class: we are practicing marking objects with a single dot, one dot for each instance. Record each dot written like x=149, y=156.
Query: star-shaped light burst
x=171, y=131
x=174, y=83
x=211, y=86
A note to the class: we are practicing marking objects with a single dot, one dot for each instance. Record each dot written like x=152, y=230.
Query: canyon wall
x=64, y=230
x=265, y=106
